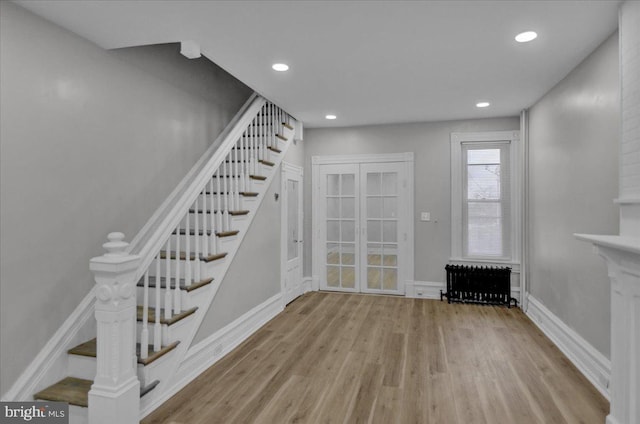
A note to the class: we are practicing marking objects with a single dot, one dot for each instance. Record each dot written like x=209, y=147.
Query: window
x=484, y=196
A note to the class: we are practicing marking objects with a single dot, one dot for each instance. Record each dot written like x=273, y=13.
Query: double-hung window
x=484, y=196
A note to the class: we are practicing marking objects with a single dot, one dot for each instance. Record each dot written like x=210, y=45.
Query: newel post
x=115, y=394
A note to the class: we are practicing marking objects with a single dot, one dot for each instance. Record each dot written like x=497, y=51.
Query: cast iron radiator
x=474, y=284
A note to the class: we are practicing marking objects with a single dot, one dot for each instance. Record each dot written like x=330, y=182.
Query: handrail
x=190, y=187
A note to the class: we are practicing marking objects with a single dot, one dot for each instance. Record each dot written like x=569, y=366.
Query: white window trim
x=457, y=139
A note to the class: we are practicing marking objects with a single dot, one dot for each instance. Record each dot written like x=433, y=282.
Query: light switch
x=425, y=216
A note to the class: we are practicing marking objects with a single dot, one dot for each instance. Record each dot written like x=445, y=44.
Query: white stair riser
x=207, y=270
x=170, y=333
x=82, y=367
x=220, y=243
x=185, y=298
x=78, y=415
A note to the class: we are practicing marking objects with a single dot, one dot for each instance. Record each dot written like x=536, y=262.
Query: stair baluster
x=188, y=276
x=157, y=328
x=144, y=334
x=167, y=292
x=196, y=239
x=219, y=190
x=225, y=212
x=176, y=293
x=212, y=216
x=201, y=214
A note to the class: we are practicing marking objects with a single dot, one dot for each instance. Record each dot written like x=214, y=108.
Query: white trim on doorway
x=407, y=159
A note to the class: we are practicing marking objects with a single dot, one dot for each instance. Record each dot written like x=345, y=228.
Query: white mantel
x=622, y=252
x=623, y=263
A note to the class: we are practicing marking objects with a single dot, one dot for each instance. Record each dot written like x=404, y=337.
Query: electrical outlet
x=425, y=216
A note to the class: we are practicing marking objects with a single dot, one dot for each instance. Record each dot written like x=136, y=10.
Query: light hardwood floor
x=343, y=358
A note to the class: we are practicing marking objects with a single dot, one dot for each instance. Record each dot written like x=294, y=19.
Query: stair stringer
x=170, y=382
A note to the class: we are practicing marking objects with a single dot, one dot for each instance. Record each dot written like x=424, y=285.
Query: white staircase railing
x=174, y=253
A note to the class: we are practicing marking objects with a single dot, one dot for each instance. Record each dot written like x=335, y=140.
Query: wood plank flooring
x=345, y=358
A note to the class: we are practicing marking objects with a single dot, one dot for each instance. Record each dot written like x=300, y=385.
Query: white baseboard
x=431, y=290
x=210, y=350
x=307, y=284
x=50, y=364
x=594, y=365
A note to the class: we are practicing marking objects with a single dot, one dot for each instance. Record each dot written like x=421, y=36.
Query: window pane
x=373, y=278
x=482, y=156
x=348, y=254
x=373, y=183
x=333, y=276
x=390, y=231
x=390, y=207
x=348, y=205
x=374, y=230
x=347, y=184
x=333, y=230
x=390, y=279
x=390, y=183
x=348, y=277
x=484, y=229
x=333, y=207
x=333, y=187
x=374, y=207
x=348, y=231
x=483, y=182
x=333, y=250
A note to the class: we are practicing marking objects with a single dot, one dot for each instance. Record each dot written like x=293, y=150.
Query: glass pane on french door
x=379, y=211
x=339, y=193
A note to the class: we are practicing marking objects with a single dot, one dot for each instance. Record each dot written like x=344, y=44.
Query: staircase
x=160, y=287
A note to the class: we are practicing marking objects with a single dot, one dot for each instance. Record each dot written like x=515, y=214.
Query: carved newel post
x=115, y=394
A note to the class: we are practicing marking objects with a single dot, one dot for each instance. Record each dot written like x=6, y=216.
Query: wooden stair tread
x=287, y=125
x=228, y=233
x=151, y=315
x=192, y=256
x=172, y=285
x=253, y=177
x=90, y=348
x=192, y=232
x=74, y=391
x=155, y=355
x=266, y=162
x=232, y=213
x=241, y=193
x=274, y=149
x=281, y=137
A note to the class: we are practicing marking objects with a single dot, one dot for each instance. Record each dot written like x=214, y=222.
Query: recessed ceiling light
x=526, y=36
x=483, y=104
x=331, y=117
x=280, y=67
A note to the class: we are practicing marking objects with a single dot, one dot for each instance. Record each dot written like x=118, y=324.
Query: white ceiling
x=369, y=62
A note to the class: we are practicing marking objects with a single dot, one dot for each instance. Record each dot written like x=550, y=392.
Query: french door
x=364, y=215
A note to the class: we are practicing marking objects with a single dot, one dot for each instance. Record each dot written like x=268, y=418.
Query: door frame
x=407, y=159
x=285, y=170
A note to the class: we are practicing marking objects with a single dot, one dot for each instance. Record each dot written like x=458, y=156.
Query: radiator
x=474, y=284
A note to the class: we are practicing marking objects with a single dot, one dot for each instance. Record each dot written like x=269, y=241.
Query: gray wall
x=254, y=274
x=88, y=144
x=430, y=143
x=574, y=132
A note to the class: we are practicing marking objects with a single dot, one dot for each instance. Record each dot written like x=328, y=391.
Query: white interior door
x=338, y=215
x=292, y=248
x=383, y=232
x=363, y=214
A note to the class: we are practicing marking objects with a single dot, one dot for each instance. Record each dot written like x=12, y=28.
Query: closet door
x=339, y=230
x=381, y=197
